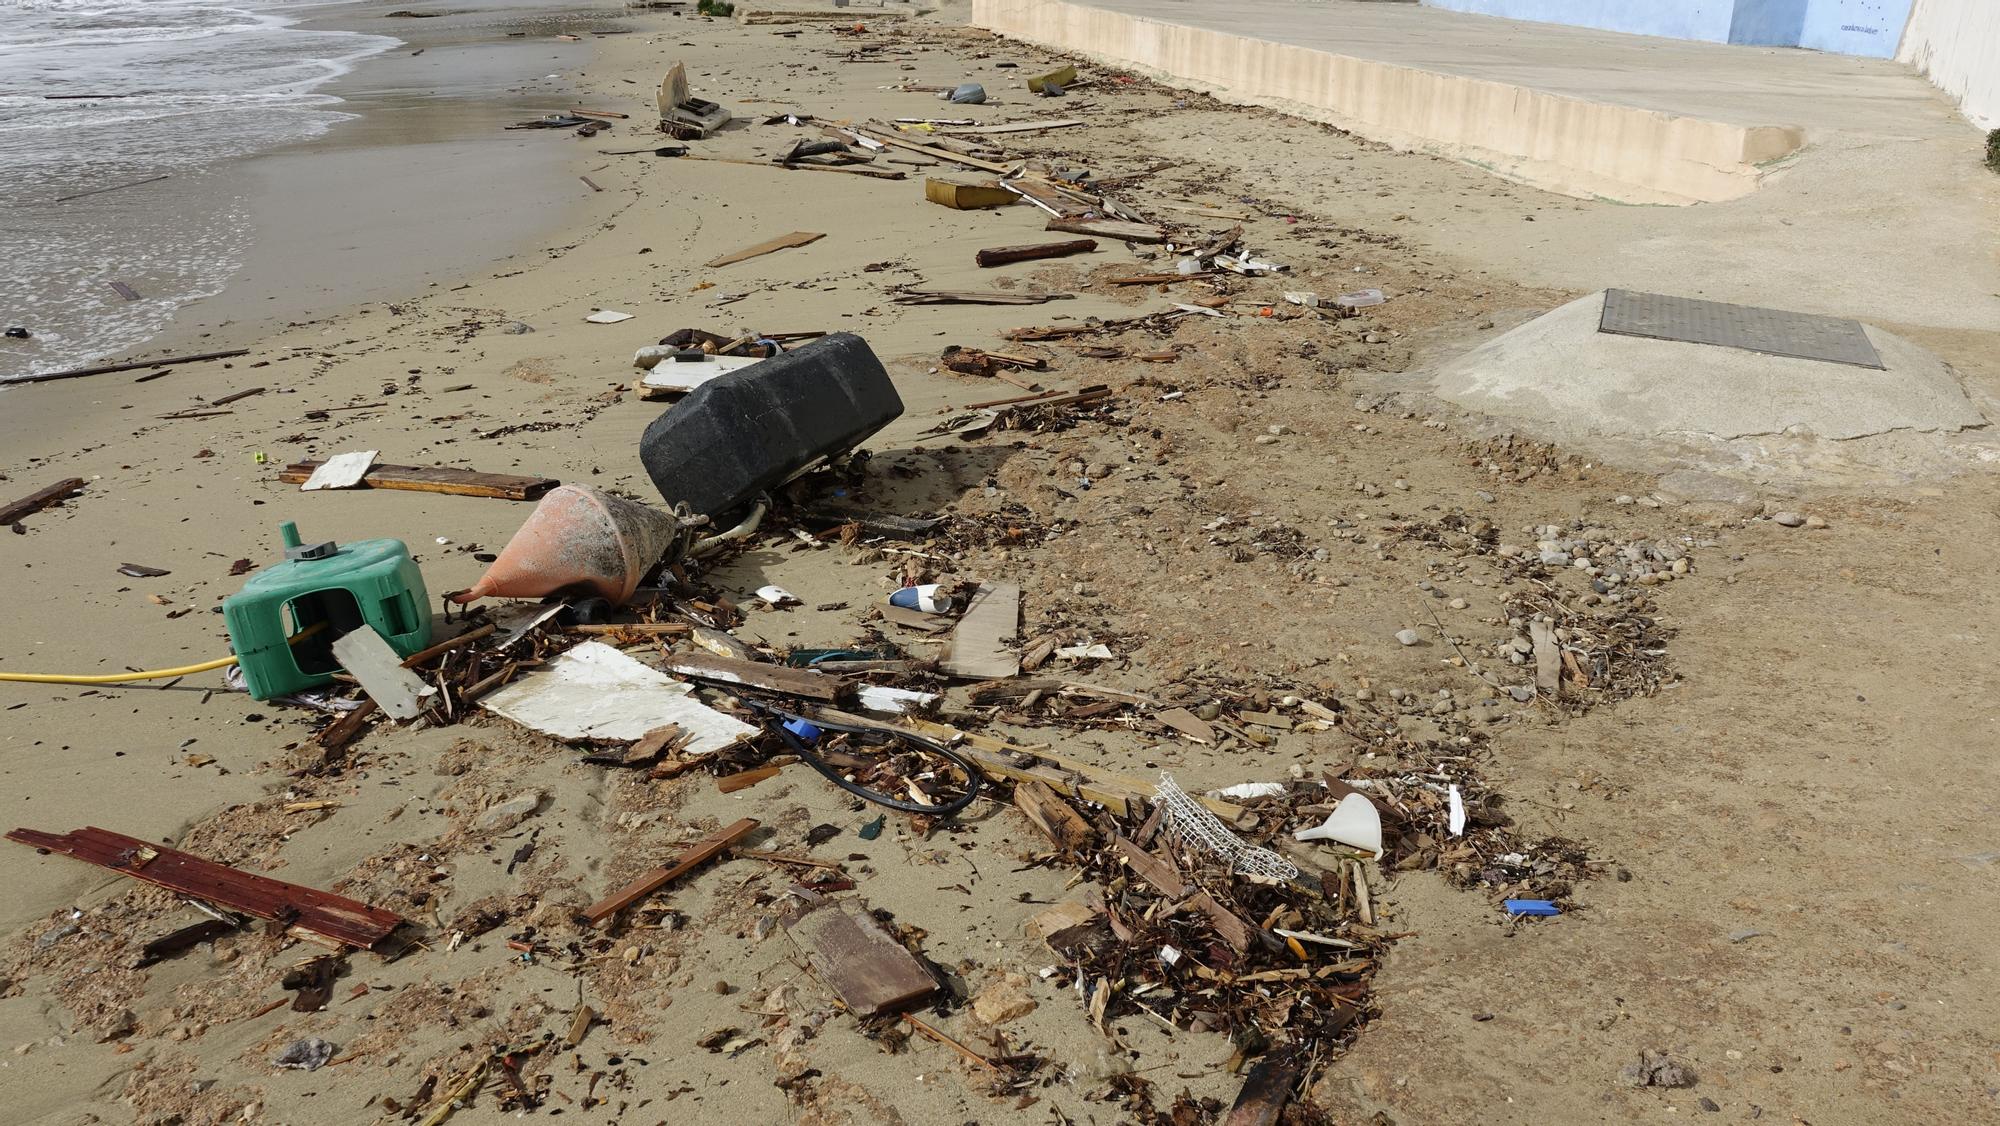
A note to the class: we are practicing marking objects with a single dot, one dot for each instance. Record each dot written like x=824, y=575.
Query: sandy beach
x=1773, y=816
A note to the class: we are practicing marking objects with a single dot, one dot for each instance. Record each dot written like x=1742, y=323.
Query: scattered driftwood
x=131, y=365
x=435, y=479
x=306, y=912
x=697, y=854
x=41, y=498
x=1007, y=255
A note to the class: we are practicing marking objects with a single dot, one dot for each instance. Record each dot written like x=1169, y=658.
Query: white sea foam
x=206, y=81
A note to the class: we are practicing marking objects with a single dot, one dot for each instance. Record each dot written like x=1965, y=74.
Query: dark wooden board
x=868, y=970
x=317, y=914
x=41, y=498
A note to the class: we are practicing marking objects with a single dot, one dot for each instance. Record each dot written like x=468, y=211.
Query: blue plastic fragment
x=1537, y=907
x=806, y=732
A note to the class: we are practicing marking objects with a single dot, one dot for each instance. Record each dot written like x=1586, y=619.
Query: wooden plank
x=1548, y=657
x=936, y=153
x=744, y=779
x=1109, y=228
x=1057, y=819
x=1233, y=929
x=1188, y=724
x=310, y=912
x=1008, y=255
x=697, y=854
x=1151, y=868
x=1158, y=279
x=1264, y=1094
x=436, y=479
x=347, y=728
x=132, y=365
x=41, y=498
x=1057, y=201
x=230, y=398
x=867, y=969
x=1014, y=126
x=756, y=674
x=768, y=246
x=978, y=646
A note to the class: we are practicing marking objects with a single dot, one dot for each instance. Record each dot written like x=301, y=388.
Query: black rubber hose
x=805, y=753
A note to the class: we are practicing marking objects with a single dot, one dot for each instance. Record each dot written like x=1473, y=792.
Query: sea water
x=200, y=83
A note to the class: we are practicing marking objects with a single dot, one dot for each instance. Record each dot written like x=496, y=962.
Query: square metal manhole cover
x=1774, y=332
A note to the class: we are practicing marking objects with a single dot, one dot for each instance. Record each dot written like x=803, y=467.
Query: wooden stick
x=646, y=629
x=788, y=858
x=100, y=191
x=970, y=1055
x=39, y=499
x=467, y=637
x=133, y=365
x=243, y=394
x=600, y=113
x=696, y=855
x=937, y=153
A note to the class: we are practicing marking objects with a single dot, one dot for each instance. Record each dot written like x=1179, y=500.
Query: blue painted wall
x=1768, y=23
x=1675, y=19
x=1855, y=27
x=1848, y=27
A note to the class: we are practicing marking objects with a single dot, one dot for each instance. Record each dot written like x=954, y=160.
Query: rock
x=1622, y=500
x=504, y=816
x=309, y=1054
x=1655, y=1069
x=1482, y=494
x=1267, y=439
x=517, y=328
x=1555, y=558
x=1788, y=519
x=1408, y=636
x=1815, y=522
x=1458, y=604
x=1004, y=999
x=1708, y=1105
x=1521, y=693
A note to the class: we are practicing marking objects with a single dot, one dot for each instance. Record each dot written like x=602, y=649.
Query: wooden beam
x=697, y=854
x=1008, y=255
x=1057, y=819
x=41, y=498
x=436, y=479
x=755, y=674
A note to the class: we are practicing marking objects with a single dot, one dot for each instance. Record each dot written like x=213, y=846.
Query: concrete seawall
x=1557, y=141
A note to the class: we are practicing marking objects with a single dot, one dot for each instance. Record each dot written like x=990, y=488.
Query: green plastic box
x=345, y=586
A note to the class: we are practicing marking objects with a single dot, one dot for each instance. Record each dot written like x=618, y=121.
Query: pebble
x=1622, y=500
x=511, y=812
x=1555, y=558
x=1815, y=522
x=1788, y=519
x=1408, y=636
x=1521, y=694
x=1458, y=604
x=518, y=328
x=1708, y=1105
x=1267, y=439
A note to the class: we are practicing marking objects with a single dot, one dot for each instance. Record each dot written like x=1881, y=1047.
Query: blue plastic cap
x=1537, y=907
x=806, y=732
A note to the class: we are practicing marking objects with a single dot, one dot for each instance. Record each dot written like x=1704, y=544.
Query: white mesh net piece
x=1196, y=827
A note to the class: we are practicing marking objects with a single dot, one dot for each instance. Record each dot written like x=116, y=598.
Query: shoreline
x=354, y=215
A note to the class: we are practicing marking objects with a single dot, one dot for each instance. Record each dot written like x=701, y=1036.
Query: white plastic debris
x=341, y=471
x=1309, y=300
x=1247, y=791
x=1361, y=298
x=1457, y=813
x=777, y=596
x=607, y=317
x=1355, y=822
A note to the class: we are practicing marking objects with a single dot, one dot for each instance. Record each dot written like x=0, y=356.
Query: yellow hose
x=155, y=674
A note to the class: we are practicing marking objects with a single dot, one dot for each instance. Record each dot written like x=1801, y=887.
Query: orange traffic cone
x=578, y=540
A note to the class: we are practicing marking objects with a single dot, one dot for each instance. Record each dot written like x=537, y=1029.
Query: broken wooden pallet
x=307, y=912
x=435, y=479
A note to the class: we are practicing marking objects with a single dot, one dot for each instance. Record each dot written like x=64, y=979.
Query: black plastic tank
x=740, y=434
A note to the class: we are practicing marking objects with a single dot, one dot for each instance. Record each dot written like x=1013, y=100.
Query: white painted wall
x=1956, y=44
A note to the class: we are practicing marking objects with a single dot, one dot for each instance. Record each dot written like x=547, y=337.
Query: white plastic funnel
x=1354, y=822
